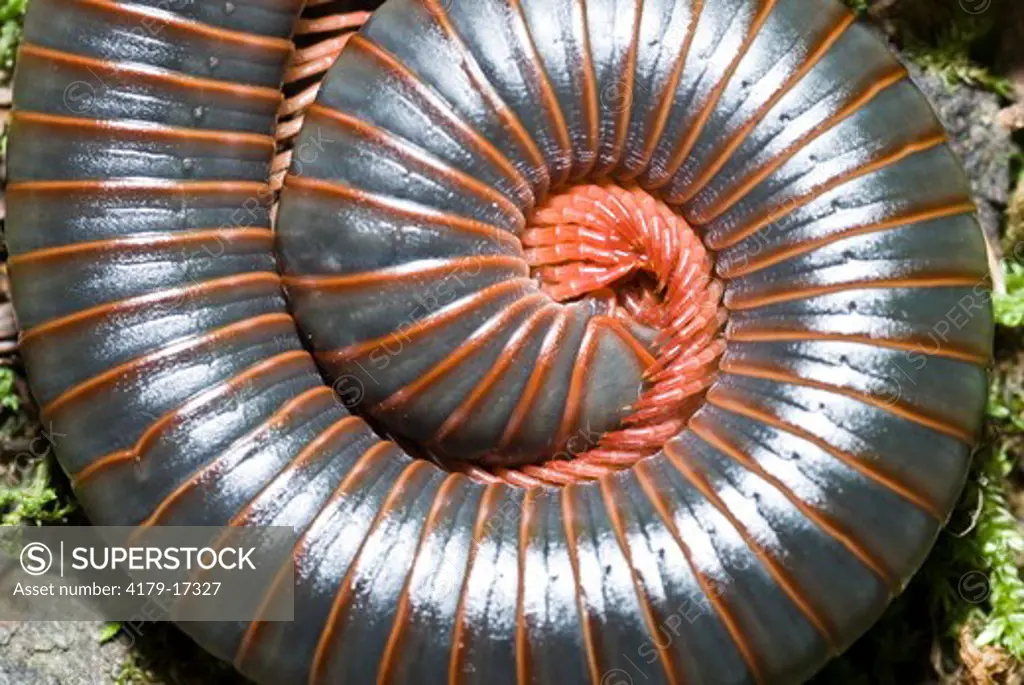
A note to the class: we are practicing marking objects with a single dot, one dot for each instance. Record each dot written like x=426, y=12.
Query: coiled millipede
x=677, y=308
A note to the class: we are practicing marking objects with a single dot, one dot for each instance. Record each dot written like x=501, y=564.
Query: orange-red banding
x=512, y=348
x=143, y=186
x=737, y=138
x=280, y=418
x=225, y=284
x=542, y=365
x=332, y=22
x=668, y=95
x=256, y=236
x=357, y=472
x=794, y=204
x=144, y=72
x=400, y=208
x=341, y=600
x=391, y=654
x=626, y=78
x=549, y=101
x=524, y=675
x=772, y=257
x=279, y=320
x=897, y=408
x=402, y=148
x=821, y=519
x=484, y=513
x=947, y=349
x=188, y=26
x=313, y=450
x=593, y=237
x=450, y=363
x=659, y=500
x=580, y=372
x=723, y=204
x=652, y=624
x=569, y=525
x=774, y=568
x=686, y=142
x=148, y=131
x=435, y=268
x=742, y=302
x=863, y=466
x=439, y=318
x=300, y=359
x=472, y=69
x=482, y=146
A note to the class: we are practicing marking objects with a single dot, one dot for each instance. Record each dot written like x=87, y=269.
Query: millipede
x=577, y=341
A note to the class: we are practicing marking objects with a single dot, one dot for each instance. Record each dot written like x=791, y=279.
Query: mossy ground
x=961, y=620
x=11, y=14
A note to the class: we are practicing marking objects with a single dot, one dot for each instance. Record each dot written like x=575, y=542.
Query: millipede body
x=585, y=341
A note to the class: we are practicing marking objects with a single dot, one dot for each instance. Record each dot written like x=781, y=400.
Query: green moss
x=973, y=577
x=995, y=541
x=970, y=587
x=12, y=14
x=955, y=68
x=997, y=545
x=8, y=391
x=32, y=491
x=1009, y=308
x=942, y=37
x=859, y=7
x=1015, y=212
x=132, y=672
x=33, y=499
x=108, y=632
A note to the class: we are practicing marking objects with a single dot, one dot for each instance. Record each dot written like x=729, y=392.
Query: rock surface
x=70, y=653
x=57, y=653
x=971, y=116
